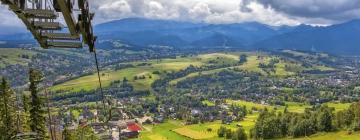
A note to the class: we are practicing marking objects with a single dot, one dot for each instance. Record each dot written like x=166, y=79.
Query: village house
x=132, y=131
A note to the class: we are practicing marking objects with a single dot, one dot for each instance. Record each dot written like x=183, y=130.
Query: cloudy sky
x=271, y=12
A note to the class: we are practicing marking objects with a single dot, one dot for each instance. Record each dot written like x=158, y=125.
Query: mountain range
x=341, y=39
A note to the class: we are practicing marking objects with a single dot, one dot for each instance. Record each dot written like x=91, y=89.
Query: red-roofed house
x=132, y=131
x=133, y=127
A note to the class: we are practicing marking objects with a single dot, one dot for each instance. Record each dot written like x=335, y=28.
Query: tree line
x=24, y=115
x=20, y=119
x=321, y=118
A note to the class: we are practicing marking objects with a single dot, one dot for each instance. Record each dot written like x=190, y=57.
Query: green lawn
x=175, y=81
x=252, y=64
x=211, y=56
x=292, y=106
x=12, y=56
x=90, y=82
x=323, y=68
x=162, y=131
x=341, y=135
x=208, y=103
x=200, y=131
x=248, y=105
x=281, y=71
x=339, y=106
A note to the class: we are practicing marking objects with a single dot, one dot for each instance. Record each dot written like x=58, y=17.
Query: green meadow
x=163, y=66
x=162, y=131
x=90, y=82
x=177, y=130
x=13, y=56
x=341, y=135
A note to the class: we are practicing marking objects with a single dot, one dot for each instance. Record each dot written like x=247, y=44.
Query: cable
x=100, y=84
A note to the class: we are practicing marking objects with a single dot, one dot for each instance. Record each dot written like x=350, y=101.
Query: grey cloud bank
x=271, y=12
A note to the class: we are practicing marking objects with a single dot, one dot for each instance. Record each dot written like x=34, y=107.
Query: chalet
x=145, y=120
x=132, y=131
x=87, y=114
x=224, y=106
x=133, y=127
x=98, y=127
x=129, y=134
x=159, y=119
x=195, y=112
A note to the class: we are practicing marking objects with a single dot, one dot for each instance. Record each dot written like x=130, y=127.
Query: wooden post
x=69, y=19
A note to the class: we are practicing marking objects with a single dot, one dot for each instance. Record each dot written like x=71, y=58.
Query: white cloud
x=9, y=23
x=272, y=12
x=210, y=11
x=315, y=11
x=120, y=7
x=200, y=11
x=156, y=10
x=8, y=18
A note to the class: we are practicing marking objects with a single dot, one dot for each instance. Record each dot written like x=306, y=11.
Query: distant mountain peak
x=340, y=38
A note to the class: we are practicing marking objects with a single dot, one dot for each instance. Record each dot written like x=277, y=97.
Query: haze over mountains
x=341, y=39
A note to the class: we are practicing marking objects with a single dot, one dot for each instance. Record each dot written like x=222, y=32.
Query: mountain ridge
x=337, y=39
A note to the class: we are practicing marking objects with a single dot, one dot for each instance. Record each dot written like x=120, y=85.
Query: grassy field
x=292, y=106
x=175, y=81
x=208, y=103
x=281, y=70
x=175, y=130
x=251, y=65
x=162, y=131
x=12, y=56
x=249, y=105
x=339, y=106
x=341, y=135
x=200, y=131
x=90, y=82
x=166, y=65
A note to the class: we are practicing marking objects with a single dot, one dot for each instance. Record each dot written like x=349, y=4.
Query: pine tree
x=7, y=114
x=228, y=134
x=25, y=115
x=67, y=134
x=85, y=133
x=2, y=126
x=221, y=131
x=240, y=134
x=324, y=119
x=37, y=112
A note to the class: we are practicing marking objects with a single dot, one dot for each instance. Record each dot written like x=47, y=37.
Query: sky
x=271, y=12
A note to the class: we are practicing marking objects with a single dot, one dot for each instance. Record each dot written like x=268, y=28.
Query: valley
x=154, y=84
x=193, y=96
x=163, y=66
x=179, y=70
